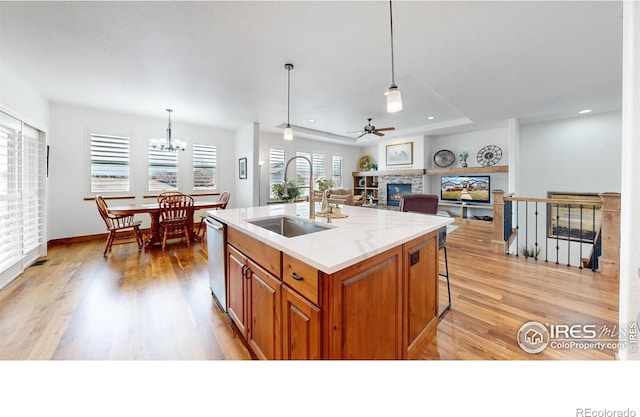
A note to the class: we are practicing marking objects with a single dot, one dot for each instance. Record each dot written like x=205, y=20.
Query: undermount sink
x=288, y=226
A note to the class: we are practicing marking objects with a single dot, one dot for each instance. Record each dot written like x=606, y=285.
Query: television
x=465, y=188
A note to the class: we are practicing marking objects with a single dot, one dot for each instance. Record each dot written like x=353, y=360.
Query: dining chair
x=116, y=223
x=428, y=204
x=224, y=198
x=176, y=194
x=175, y=215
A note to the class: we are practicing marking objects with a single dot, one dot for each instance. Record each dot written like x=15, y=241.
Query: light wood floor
x=157, y=305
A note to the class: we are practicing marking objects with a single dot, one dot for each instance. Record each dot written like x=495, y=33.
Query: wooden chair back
x=165, y=194
x=113, y=222
x=176, y=208
x=224, y=198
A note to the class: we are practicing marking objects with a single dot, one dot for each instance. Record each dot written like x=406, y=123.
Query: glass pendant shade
x=288, y=133
x=394, y=100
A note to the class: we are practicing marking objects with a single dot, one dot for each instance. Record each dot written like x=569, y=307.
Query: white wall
x=69, y=169
x=246, y=146
x=22, y=101
x=580, y=154
x=471, y=142
x=350, y=155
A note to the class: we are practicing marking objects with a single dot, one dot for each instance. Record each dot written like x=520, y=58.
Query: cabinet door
x=364, y=314
x=265, y=329
x=300, y=327
x=421, y=274
x=237, y=288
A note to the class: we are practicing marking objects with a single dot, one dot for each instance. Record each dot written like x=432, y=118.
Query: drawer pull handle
x=296, y=276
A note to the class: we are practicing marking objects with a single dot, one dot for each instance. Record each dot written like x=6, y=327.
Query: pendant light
x=394, y=99
x=288, y=131
x=167, y=144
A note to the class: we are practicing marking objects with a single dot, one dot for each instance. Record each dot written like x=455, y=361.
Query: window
x=163, y=170
x=22, y=179
x=336, y=171
x=277, y=160
x=204, y=167
x=109, y=164
x=302, y=169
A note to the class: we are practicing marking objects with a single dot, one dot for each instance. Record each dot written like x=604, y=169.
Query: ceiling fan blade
x=378, y=134
x=386, y=128
x=358, y=132
x=361, y=135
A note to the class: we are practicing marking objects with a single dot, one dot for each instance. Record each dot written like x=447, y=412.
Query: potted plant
x=293, y=192
x=324, y=184
x=463, y=158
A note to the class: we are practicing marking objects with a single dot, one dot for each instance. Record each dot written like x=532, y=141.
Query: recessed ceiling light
x=585, y=111
x=431, y=117
x=312, y=120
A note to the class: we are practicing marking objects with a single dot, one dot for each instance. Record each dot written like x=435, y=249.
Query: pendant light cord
x=393, y=78
x=288, y=92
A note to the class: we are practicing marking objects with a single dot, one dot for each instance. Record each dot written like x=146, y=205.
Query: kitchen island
x=360, y=287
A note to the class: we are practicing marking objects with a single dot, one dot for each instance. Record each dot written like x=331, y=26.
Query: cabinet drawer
x=264, y=255
x=306, y=277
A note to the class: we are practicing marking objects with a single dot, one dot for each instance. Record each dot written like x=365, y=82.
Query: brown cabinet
x=300, y=326
x=363, y=309
x=379, y=308
x=421, y=289
x=254, y=304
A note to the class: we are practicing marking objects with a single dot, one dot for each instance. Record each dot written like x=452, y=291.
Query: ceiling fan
x=369, y=129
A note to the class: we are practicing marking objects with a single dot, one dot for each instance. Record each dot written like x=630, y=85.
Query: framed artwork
x=399, y=154
x=242, y=168
x=577, y=222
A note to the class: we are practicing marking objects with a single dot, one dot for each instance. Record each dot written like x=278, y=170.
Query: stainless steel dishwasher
x=216, y=236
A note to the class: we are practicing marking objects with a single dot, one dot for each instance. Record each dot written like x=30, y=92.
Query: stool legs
x=446, y=274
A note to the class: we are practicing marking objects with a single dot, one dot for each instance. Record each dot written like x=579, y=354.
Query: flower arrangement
x=324, y=184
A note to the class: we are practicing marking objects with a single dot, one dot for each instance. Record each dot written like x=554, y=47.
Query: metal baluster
x=581, y=229
x=526, y=227
x=594, y=261
x=535, y=246
x=557, y=233
x=546, y=233
x=569, y=235
x=517, y=227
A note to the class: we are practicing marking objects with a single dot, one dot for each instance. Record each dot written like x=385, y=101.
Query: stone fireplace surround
x=416, y=181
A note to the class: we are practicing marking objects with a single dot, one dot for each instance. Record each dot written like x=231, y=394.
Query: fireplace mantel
x=389, y=172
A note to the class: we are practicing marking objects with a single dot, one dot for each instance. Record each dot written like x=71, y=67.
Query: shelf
x=391, y=172
x=468, y=170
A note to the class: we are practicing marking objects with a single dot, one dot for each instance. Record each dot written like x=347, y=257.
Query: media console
x=463, y=208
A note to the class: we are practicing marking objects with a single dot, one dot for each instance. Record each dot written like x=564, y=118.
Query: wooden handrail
x=573, y=202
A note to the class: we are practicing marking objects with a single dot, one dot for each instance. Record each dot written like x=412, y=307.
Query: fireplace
x=395, y=193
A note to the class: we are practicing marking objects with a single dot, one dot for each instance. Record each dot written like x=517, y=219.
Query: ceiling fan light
x=288, y=133
x=394, y=100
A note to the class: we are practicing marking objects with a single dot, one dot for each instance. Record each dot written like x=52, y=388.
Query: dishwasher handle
x=214, y=224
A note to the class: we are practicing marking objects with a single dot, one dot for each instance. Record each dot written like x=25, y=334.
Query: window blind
x=163, y=170
x=277, y=160
x=22, y=195
x=336, y=171
x=109, y=164
x=204, y=167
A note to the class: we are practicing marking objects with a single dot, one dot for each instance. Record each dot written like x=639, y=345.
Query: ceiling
x=471, y=65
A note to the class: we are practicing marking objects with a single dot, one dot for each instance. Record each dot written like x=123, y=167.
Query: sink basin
x=288, y=226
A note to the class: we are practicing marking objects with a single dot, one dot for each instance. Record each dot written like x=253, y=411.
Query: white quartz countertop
x=364, y=233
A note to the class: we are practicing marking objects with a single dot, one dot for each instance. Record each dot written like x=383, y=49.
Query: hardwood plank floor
x=157, y=305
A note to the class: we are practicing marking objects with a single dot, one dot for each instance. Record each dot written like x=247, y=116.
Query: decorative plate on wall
x=444, y=158
x=489, y=155
x=364, y=162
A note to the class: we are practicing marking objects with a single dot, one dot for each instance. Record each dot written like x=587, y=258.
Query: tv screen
x=466, y=188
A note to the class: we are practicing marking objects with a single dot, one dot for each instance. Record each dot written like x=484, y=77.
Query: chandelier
x=167, y=144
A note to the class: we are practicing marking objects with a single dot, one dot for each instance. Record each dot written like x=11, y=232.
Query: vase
x=324, y=204
x=463, y=162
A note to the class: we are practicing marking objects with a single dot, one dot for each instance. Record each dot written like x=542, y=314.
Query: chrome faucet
x=312, y=203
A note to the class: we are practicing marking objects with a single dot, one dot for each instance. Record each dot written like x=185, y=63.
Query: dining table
x=153, y=209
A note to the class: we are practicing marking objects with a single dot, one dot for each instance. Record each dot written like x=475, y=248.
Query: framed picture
x=400, y=154
x=577, y=222
x=242, y=168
